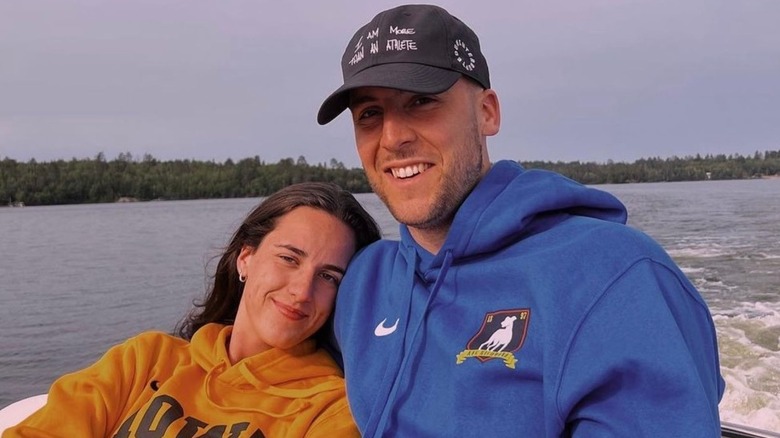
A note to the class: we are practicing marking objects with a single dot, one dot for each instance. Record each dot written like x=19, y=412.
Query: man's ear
x=490, y=112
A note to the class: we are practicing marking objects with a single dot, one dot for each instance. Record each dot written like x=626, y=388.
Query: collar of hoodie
x=265, y=374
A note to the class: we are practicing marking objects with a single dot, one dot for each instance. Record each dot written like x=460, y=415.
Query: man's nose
x=396, y=130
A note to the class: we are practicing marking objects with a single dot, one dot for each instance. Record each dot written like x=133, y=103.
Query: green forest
x=99, y=180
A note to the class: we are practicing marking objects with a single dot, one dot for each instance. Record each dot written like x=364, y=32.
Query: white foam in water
x=749, y=343
x=757, y=256
x=698, y=251
x=688, y=270
x=705, y=285
x=743, y=405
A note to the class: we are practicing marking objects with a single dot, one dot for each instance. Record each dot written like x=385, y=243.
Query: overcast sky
x=587, y=80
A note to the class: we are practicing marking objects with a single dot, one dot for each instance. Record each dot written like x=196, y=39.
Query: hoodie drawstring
x=395, y=358
x=396, y=383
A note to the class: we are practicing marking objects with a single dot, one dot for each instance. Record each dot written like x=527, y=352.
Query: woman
x=248, y=364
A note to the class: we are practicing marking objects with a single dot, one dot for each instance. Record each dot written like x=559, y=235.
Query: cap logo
x=359, y=53
x=391, y=45
x=374, y=35
x=396, y=44
x=463, y=55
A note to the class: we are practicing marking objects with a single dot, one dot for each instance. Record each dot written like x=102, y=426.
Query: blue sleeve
x=643, y=361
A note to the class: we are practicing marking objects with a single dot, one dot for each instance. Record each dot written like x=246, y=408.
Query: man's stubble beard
x=453, y=190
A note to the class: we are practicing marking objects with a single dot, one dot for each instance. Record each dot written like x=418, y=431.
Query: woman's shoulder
x=154, y=338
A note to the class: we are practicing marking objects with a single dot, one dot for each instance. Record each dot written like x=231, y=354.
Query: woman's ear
x=243, y=259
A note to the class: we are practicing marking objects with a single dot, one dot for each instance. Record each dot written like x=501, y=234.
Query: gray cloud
x=586, y=80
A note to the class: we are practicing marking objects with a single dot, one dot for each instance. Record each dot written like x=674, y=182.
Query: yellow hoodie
x=157, y=385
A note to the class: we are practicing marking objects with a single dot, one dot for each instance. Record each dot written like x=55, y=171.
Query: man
x=517, y=303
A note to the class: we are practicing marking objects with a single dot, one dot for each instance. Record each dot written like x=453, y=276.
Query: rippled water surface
x=75, y=280
x=725, y=235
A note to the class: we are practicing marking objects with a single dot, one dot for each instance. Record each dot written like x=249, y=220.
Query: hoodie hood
x=283, y=374
x=541, y=198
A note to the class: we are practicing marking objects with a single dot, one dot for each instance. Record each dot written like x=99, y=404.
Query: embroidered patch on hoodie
x=501, y=335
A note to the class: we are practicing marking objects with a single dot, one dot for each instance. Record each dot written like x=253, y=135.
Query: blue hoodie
x=543, y=315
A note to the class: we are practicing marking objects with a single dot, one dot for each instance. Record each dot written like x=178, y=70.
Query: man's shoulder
x=378, y=260
x=379, y=250
x=618, y=236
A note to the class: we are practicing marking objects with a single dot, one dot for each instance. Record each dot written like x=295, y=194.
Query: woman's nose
x=302, y=288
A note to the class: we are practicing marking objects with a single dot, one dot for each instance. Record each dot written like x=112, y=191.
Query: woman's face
x=291, y=281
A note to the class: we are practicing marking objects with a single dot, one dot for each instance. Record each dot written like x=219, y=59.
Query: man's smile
x=409, y=171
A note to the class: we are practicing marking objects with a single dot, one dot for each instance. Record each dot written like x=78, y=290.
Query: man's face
x=423, y=153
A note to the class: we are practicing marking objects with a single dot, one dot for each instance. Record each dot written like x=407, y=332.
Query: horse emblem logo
x=502, y=334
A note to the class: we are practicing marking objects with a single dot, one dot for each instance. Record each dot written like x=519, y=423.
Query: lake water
x=75, y=280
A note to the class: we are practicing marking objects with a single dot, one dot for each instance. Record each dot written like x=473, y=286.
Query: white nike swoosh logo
x=381, y=330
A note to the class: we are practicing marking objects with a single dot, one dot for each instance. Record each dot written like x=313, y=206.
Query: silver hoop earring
x=242, y=278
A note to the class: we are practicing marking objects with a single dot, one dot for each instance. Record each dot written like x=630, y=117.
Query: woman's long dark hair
x=221, y=303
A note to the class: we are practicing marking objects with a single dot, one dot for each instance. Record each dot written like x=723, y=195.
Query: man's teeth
x=409, y=171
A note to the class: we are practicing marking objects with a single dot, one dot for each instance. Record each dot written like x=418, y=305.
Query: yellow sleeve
x=336, y=420
x=89, y=402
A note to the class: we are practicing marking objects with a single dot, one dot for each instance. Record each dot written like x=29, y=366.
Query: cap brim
x=416, y=78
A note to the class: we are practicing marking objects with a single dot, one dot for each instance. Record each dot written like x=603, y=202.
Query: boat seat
x=14, y=413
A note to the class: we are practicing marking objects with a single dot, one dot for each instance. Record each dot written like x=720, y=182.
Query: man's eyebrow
x=359, y=99
x=301, y=253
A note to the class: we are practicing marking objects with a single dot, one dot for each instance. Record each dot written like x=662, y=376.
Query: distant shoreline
x=93, y=181
x=131, y=200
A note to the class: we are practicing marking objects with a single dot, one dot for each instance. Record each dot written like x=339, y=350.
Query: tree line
x=691, y=168
x=99, y=180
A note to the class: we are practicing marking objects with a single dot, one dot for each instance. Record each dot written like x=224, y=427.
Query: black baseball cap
x=416, y=48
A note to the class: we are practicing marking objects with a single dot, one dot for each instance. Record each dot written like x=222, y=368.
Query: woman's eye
x=287, y=258
x=330, y=278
